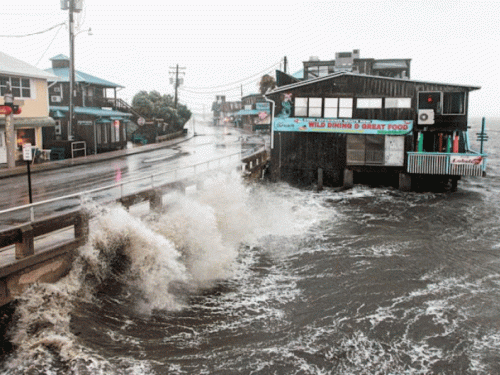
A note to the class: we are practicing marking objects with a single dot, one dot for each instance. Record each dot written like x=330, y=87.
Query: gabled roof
x=60, y=57
x=63, y=74
x=14, y=67
x=335, y=75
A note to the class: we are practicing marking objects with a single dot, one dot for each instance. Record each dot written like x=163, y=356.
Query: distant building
x=352, y=62
x=225, y=112
x=255, y=114
x=28, y=84
x=99, y=120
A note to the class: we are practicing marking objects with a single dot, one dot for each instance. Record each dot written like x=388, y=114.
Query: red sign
x=5, y=110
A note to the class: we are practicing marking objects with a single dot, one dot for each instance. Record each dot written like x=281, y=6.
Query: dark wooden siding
x=367, y=87
x=310, y=150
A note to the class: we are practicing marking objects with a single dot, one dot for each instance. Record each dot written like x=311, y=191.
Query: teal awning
x=58, y=114
x=248, y=112
x=116, y=118
x=92, y=111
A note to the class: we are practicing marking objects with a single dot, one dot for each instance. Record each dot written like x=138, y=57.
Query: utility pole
x=177, y=82
x=71, y=68
x=71, y=6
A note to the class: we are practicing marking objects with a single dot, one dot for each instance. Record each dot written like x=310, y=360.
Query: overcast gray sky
x=225, y=45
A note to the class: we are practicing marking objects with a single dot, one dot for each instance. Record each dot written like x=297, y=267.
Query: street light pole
x=71, y=68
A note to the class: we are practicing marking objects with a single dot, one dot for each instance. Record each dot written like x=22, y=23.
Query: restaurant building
x=346, y=125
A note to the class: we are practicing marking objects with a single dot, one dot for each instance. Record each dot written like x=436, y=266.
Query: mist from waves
x=158, y=262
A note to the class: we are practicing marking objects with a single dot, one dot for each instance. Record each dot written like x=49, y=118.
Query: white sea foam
x=195, y=243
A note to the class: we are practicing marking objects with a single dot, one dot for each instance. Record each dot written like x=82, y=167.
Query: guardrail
x=30, y=212
x=438, y=163
x=24, y=263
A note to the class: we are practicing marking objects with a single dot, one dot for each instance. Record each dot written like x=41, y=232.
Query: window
x=369, y=103
x=300, y=107
x=25, y=136
x=331, y=107
x=397, y=102
x=454, y=103
x=323, y=70
x=430, y=100
x=315, y=105
x=21, y=87
x=312, y=71
x=345, y=107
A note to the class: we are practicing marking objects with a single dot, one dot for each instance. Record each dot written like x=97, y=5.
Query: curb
x=67, y=163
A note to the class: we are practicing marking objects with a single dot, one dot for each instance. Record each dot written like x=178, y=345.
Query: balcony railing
x=453, y=164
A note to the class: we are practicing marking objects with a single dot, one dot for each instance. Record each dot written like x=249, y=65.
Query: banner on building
x=466, y=159
x=330, y=125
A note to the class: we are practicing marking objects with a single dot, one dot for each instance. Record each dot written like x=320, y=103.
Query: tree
x=266, y=83
x=154, y=105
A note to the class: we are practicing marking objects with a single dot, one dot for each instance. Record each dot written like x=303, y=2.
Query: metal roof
x=93, y=111
x=60, y=57
x=14, y=67
x=335, y=75
x=63, y=74
x=299, y=74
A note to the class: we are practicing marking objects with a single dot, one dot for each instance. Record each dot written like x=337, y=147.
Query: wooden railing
x=437, y=163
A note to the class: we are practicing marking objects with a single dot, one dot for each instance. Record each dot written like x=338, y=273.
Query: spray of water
x=193, y=244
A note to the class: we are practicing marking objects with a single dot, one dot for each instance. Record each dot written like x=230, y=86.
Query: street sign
x=27, y=152
x=5, y=110
x=141, y=121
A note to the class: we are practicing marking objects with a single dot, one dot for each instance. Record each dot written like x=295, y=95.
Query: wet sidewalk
x=21, y=168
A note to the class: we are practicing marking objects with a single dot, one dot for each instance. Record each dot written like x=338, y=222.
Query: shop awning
x=29, y=122
x=248, y=112
x=92, y=111
x=58, y=114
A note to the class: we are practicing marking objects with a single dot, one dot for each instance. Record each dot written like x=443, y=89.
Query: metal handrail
x=116, y=185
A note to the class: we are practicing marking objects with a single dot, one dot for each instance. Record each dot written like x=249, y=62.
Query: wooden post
x=404, y=182
x=348, y=178
x=82, y=226
x=320, y=179
x=155, y=200
x=26, y=247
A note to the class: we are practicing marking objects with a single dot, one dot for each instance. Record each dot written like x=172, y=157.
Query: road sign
x=27, y=152
x=141, y=121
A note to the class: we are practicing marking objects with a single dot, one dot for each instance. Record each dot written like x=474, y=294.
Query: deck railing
x=466, y=164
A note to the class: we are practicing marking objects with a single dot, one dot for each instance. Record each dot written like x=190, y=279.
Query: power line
x=52, y=41
x=237, y=82
x=38, y=32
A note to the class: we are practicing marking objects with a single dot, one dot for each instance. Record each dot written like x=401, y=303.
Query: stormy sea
x=265, y=278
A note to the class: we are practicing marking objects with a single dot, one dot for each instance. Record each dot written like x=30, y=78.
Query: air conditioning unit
x=426, y=117
x=57, y=89
x=55, y=99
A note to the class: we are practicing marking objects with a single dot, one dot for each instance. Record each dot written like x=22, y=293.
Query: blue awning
x=248, y=112
x=58, y=114
x=92, y=111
